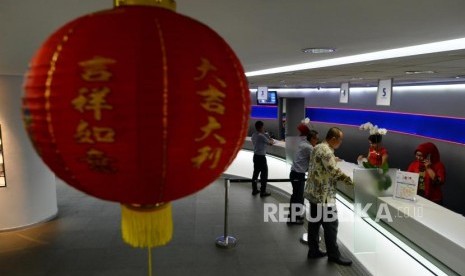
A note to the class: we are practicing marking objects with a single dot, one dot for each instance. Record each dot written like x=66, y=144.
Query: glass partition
x=369, y=185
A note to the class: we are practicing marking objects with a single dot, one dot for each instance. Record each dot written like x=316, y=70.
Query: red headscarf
x=431, y=150
x=304, y=130
x=432, y=186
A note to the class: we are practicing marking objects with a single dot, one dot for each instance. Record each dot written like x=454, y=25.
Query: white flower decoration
x=382, y=131
x=366, y=126
x=373, y=129
x=305, y=121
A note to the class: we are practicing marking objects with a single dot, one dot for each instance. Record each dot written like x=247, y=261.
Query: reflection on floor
x=85, y=240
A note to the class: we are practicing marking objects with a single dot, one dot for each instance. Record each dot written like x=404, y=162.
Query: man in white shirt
x=260, y=141
x=300, y=164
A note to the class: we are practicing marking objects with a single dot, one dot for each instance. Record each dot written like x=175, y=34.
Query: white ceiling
x=271, y=33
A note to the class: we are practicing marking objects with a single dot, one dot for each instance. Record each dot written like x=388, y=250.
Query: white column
x=295, y=113
x=30, y=193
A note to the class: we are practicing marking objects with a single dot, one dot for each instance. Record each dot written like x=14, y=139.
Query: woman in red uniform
x=377, y=154
x=432, y=172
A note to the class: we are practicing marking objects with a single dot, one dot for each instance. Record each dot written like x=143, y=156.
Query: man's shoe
x=264, y=194
x=341, y=260
x=254, y=193
x=316, y=255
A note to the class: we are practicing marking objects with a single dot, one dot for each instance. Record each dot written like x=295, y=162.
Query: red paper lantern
x=138, y=105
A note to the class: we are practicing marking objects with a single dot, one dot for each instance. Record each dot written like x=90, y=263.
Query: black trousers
x=260, y=167
x=297, y=197
x=325, y=216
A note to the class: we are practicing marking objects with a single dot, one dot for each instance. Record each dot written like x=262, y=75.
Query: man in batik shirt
x=320, y=191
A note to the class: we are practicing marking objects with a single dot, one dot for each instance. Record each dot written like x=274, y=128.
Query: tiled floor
x=85, y=240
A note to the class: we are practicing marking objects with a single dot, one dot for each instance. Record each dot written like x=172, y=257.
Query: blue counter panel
x=449, y=129
x=264, y=112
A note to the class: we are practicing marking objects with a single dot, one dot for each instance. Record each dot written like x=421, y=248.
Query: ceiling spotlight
x=318, y=50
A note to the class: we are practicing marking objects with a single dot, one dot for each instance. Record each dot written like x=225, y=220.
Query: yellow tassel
x=146, y=226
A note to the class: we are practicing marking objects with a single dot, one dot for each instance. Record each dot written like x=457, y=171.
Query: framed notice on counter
x=406, y=185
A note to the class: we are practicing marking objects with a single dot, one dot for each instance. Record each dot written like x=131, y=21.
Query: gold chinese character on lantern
x=204, y=68
x=98, y=161
x=207, y=153
x=213, y=100
x=83, y=133
x=104, y=134
x=95, y=69
x=93, y=99
x=209, y=129
x=87, y=134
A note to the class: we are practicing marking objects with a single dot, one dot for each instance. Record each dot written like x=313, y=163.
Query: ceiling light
x=435, y=47
x=419, y=72
x=318, y=50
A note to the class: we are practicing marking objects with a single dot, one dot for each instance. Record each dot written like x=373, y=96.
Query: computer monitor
x=272, y=99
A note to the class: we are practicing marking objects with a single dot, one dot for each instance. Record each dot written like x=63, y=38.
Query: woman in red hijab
x=432, y=172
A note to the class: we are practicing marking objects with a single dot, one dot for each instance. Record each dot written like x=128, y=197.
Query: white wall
x=30, y=194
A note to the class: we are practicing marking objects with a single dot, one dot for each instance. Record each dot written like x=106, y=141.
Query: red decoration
x=136, y=104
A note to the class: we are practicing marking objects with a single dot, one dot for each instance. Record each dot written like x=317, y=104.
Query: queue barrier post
x=226, y=241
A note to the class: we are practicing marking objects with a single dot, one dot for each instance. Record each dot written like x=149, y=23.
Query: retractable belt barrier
x=226, y=241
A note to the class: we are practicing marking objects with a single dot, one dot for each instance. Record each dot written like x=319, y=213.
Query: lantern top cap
x=167, y=4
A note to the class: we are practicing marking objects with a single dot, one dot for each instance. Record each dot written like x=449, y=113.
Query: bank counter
x=408, y=238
